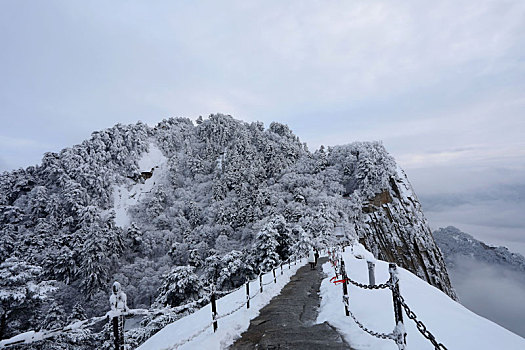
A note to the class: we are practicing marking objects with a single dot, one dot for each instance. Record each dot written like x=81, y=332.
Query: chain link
x=391, y=336
x=368, y=286
x=231, y=312
x=193, y=336
x=420, y=325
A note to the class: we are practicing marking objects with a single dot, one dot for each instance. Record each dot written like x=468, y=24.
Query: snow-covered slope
x=195, y=331
x=129, y=194
x=452, y=324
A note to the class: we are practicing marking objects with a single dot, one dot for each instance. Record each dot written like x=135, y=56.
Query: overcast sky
x=440, y=83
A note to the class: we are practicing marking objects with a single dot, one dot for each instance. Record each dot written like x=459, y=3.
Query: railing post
x=116, y=333
x=398, y=311
x=260, y=282
x=345, y=286
x=248, y=294
x=213, y=310
x=274, y=279
x=371, y=273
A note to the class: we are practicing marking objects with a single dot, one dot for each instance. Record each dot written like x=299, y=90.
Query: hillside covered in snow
x=172, y=209
x=488, y=280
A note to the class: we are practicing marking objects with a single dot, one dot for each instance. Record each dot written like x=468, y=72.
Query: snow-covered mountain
x=171, y=209
x=489, y=280
x=454, y=243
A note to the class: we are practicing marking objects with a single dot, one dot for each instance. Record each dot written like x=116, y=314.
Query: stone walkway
x=288, y=321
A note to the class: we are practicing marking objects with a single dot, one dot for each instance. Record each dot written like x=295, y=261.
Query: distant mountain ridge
x=454, y=242
x=488, y=280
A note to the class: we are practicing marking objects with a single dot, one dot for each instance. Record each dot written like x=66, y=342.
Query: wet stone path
x=288, y=321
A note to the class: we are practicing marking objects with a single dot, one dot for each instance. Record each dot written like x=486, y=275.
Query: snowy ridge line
x=398, y=334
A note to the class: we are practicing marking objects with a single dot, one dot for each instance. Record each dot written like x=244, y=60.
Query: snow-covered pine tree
x=77, y=314
x=180, y=285
x=55, y=317
x=20, y=289
x=265, y=247
x=304, y=243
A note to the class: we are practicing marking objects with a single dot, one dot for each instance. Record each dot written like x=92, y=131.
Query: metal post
x=345, y=294
x=213, y=311
x=248, y=294
x=345, y=286
x=116, y=333
x=371, y=273
x=260, y=282
x=121, y=331
x=398, y=312
x=274, y=279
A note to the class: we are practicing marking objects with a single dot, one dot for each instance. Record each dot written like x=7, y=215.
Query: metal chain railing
x=397, y=335
x=202, y=330
x=420, y=325
x=215, y=318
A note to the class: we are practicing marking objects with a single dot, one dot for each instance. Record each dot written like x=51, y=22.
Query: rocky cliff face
x=395, y=230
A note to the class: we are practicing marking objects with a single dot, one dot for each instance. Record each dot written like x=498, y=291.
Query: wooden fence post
x=274, y=278
x=248, y=294
x=260, y=282
x=213, y=310
x=281, y=268
x=398, y=311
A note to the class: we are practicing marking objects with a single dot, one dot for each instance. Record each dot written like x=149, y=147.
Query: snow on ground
x=129, y=194
x=452, y=324
x=229, y=327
